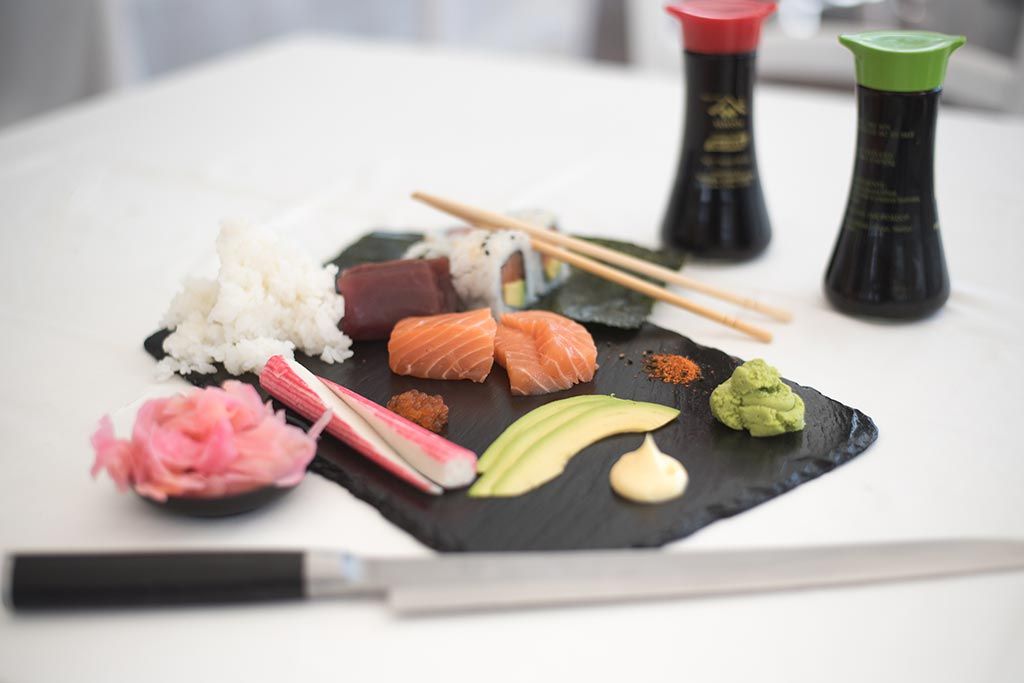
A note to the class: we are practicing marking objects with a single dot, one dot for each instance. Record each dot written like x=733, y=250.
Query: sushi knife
x=474, y=581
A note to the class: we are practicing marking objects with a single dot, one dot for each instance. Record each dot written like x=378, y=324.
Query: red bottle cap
x=721, y=26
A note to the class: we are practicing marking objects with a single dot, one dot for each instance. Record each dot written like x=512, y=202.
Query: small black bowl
x=224, y=506
x=227, y=506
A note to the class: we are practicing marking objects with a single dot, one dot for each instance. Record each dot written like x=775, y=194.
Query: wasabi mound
x=755, y=399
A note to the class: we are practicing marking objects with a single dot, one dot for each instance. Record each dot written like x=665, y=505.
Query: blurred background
x=55, y=52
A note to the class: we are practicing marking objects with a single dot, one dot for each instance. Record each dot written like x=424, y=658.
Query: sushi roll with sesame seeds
x=496, y=269
x=553, y=272
x=437, y=244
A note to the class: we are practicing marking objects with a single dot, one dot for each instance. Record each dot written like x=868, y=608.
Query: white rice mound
x=269, y=298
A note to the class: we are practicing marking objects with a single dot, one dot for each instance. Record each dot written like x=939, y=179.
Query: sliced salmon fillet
x=447, y=346
x=516, y=351
x=544, y=352
x=565, y=346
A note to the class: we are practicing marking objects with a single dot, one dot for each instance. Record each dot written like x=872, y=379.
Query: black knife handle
x=141, y=579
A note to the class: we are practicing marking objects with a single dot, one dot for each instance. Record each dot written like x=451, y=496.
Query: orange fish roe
x=671, y=368
x=429, y=412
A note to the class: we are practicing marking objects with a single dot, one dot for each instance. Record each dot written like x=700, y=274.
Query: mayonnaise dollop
x=647, y=475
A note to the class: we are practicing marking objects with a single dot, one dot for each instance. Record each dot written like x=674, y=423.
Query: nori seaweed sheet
x=587, y=298
x=583, y=297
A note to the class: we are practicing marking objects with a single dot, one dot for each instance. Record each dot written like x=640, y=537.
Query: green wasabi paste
x=755, y=399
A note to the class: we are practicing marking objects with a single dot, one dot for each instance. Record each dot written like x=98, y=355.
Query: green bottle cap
x=901, y=61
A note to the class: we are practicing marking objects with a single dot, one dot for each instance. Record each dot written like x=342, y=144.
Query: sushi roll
x=497, y=269
x=553, y=272
x=436, y=244
x=494, y=269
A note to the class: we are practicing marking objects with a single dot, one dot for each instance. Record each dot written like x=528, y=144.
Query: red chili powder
x=669, y=367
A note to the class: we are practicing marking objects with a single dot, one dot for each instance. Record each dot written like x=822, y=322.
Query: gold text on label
x=727, y=142
x=727, y=112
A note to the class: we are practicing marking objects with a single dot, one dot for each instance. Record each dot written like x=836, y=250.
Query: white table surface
x=106, y=207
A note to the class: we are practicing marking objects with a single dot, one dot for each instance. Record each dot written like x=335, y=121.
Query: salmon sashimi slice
x=565, y=347
x=544, y=352
x=516, y=351
x=446, y=346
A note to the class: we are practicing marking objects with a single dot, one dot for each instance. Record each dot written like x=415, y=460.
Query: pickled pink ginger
x=213, y=442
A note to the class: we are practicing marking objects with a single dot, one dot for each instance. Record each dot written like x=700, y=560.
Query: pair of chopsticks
x=551, y=243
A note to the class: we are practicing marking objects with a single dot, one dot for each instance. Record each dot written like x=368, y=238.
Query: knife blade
x=473, y=581
x=612, y=577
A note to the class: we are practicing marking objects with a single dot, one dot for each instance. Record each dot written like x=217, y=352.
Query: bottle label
x=888, y=260
x=877, y=203
x=725, y=161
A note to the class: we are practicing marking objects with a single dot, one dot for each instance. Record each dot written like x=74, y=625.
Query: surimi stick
x=450, y=465
x=303, y=392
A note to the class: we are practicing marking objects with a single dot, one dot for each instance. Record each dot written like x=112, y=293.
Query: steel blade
x=496, y=581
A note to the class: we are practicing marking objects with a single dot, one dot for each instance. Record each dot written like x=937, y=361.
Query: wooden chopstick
x=604, y=271
x=646, y=287
x=483, y=217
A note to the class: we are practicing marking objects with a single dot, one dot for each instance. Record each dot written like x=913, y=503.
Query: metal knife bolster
x=332, y=574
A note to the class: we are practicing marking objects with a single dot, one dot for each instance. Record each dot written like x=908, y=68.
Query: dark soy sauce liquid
x=717, y=208
x=888, y=261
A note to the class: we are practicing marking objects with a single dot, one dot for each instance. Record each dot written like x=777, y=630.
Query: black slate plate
x=729, y=471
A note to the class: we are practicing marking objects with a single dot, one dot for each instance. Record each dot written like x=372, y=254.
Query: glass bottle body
x=716, y=209
x=888, y=260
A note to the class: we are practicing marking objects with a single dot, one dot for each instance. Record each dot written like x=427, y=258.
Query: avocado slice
x=552, y=268
x=521, y=444
x=526, y=422
x=514, y=293
x=547, y=456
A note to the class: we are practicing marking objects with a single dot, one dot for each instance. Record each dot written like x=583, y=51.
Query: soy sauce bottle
x=716, y=209
x=888, y=261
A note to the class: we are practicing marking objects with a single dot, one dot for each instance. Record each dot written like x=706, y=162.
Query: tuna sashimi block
x=303, y=392
x=449, y=464
x=378, y=295
x=450, y=346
